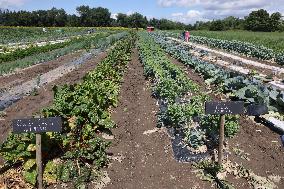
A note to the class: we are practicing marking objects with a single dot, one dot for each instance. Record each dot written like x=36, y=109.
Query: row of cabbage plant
x=236, y=85
x=244, y=48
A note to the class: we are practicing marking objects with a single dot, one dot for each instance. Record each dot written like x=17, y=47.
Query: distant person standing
x=183, y=35
x=187, y=36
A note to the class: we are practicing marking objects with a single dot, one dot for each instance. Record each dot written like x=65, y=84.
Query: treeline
x=87, y=16
x=259, y=20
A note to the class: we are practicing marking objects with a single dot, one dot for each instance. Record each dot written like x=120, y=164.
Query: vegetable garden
x=263, y=46
x=240, y=87
x=96, y=143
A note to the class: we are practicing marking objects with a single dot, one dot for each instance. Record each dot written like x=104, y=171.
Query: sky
x=186, y=11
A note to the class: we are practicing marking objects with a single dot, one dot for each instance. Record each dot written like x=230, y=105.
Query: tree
x=189, y=27
x=40, y=18
x=275, y=20
x=100, y=16
x=154, y=22
x=94, y=16
x=137, y=20
x=258, y=21
x=122, y=20
x=217, y=25
x=200, y=25
x=73, y=20
x=261, y=21
x=232, y=22
x=84, y=12
x=60, y=17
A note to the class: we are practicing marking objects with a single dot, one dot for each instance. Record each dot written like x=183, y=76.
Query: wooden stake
x=221, y=139
x=39, y=160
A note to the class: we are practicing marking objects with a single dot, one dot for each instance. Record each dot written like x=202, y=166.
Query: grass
x=273, y=40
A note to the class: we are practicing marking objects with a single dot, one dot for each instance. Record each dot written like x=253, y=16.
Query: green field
x=32, y=34
x=273, y=40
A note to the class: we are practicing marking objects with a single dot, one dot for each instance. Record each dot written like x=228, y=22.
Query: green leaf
x=30, y=176
x=31, y=148
x=50, y=175
x=29, y=164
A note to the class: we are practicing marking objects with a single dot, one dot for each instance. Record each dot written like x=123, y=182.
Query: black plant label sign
x=37, y=125
x=222, y=108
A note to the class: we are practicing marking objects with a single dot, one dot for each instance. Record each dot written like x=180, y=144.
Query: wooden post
x=39, y=160
x=221, y=139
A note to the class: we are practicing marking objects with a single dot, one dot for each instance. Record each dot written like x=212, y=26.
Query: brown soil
x=146, y=160
x=29, y=73
x=31, y=105
x=263, y=145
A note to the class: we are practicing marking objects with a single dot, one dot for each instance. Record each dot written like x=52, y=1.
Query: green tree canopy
x=122, y=20
x=260, y=20
x=137, y=20
x=217, y=25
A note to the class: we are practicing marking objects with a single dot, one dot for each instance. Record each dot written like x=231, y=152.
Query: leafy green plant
x=29, y=172
x=238, y=86
x=100, y=41
x=21, y=53
x=180, y=98
x=84, y=109
x=195, y=137
x=211, y=124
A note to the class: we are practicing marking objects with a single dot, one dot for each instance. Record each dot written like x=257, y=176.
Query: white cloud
x=189, y=18
x=177, y=14
x=216, y=9
x=129, y=12
x=217, y=4
x=114, y=16
x=11, y=3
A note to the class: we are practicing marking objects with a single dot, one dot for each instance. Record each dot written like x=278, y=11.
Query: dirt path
x=31, y=72
x=143, y=160
x=31, y=105
x=264, y=148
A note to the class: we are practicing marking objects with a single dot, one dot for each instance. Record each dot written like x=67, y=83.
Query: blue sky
x=187, y=11
x=147, y=7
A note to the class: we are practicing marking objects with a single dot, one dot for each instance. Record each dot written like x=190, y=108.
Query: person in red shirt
x=187, y=36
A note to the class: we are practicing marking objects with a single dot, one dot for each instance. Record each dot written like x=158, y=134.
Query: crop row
x=20, y=35
x=180, y=99
x=238, y=87
x=78, y=151
x=35, y=49
x=32, y=34
x=100, y=41
x=244, y=48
